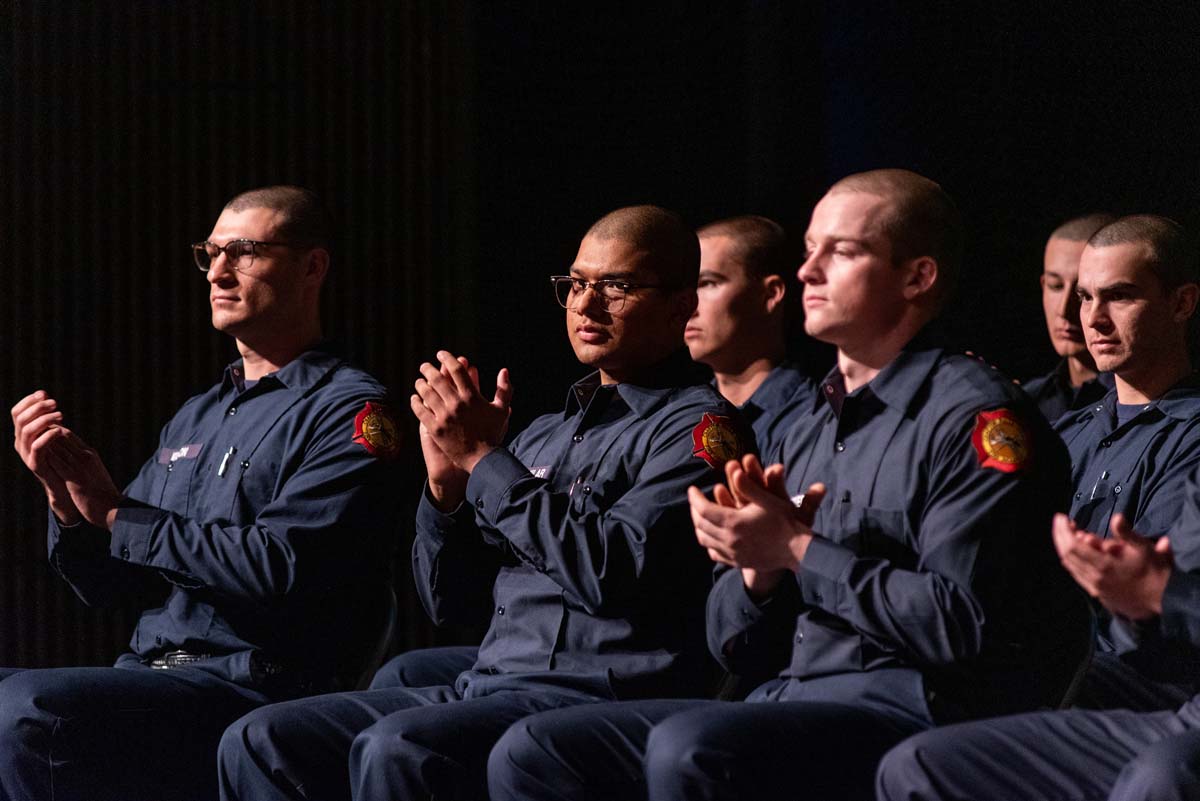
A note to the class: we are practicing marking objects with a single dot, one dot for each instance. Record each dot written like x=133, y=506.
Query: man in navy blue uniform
x=1138, y=287
x=923, y=576
x=739, y=329
x=1133, y=450
x=740, y=326
x=574, y=541
x=264, y=520
x=1075, y=381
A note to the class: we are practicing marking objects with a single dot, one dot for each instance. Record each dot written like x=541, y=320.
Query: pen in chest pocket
x=225, y=461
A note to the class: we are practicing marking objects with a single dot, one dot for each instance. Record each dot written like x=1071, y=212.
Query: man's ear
x=1185, y=302
x=316, y=266
x=921, y=276
x=774, y=290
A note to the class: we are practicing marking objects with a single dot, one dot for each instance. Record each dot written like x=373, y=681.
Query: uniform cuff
x=132, y=530
x=490, y=482
x=823, y=572
x=433, y=522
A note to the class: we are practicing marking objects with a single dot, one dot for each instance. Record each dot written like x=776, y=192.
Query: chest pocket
x=255, y=487
x=871, y=532
x=176, y=485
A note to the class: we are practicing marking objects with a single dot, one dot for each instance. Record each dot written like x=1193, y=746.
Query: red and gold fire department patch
x=1000, y=441
x=715, y=441
x=375, y=430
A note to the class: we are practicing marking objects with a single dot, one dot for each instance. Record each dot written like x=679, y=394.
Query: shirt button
x=1078, y=495
x=799, y=637
x=124, y=551
x=1104, y=443
x=479, y=504
x=839, y=446
x=817, y=597
x=245, y=465
x=500, y=610
x=587, y=490
x=577, y=438
x=170, y=466
x=1117, y=489
x=232, y=411
x=828, y=389
x=158, y=639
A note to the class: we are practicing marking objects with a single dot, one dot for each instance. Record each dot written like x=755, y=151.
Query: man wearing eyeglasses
x=263, y=521
x=574, y=541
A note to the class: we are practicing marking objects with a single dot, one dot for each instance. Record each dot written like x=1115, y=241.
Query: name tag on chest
x=168, y=455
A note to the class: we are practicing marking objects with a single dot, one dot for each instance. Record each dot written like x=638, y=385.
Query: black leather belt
x=174, y=659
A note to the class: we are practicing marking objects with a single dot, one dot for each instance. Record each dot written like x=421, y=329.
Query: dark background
x=466, y=146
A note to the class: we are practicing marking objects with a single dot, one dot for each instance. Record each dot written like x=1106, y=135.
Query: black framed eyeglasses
x=611, y=291
x=240, y=253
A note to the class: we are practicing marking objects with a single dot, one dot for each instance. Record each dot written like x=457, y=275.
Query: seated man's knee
x=26, y=710
x=251, y=738
x=1169, y=770
x=516, y=756
x=901, y=770
x=673, y=745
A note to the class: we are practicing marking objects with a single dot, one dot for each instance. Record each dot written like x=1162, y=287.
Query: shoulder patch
x=376, y=431
x=1000, y=441
x=715, y=440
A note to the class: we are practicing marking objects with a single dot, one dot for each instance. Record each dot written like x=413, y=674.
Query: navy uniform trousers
x=402, y=742
x=784, y=738
x=1080, y=755
x=148, y=733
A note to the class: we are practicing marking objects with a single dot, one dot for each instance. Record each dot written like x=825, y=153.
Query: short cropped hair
x=1080, y=229
x=760, y=245
x=1173, y=249
x=673, y=247
x=924, y=220
x=305, y=219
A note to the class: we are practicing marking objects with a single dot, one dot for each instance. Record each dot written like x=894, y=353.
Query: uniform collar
x=1181, y=401
x=677, y=370
x=1060, y=378
x=300, y=374
x=901, y=379
x=779, y=385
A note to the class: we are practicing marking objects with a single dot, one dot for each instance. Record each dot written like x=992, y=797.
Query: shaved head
x=1173, y=249
x=674, y=250
x=924, y=221
x=1080, y=229
x=760, y=245
x=305, y=219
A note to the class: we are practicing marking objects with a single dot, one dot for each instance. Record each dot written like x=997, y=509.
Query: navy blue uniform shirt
x=785, y=393
x=265, y=523
x=932, y=557
x=1139, y=468
x=577, y=541
x=1055, y=396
